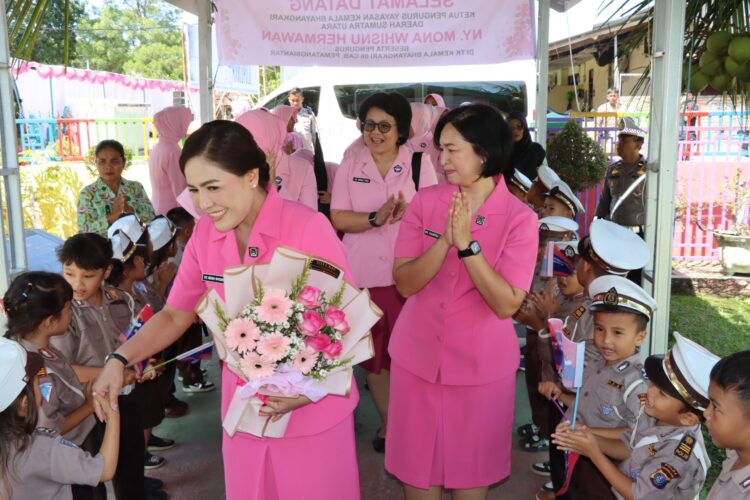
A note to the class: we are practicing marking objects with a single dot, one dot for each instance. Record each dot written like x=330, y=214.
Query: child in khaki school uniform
x=728, y=423
x=665, y=459
x=37, y=307
x=100, y=313
x=609, y=398
x=36, y=462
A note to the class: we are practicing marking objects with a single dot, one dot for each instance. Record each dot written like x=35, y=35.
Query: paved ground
x=194, y=468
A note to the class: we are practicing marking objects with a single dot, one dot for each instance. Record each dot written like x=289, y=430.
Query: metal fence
x=713, y=174
x=66, y=139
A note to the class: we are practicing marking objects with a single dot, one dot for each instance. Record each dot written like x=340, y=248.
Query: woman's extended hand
x=461, y=221
x=107, y=385
x=275, y=407
x=385, y=211
x=400, y=208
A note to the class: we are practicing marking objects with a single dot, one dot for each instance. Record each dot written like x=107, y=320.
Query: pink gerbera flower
x=274, y=346
x=241, y=335
x=275, y=307
x=305, y=360
x=255, y=367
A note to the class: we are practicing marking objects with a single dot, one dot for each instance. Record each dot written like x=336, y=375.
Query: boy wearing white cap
x=622, y=198
x=37, y=462
x=535, y=435
x=519, y=185
x=666, y=458
x=609, y=398
x=728, y=422
x=546, y=178
x=561, y=201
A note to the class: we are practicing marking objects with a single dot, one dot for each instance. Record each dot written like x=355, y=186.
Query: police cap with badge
x=627, y=126
x=613, y=248
x=556, y=228
x=562, y=192
x=17, y=368
x=546, y=176
x=683, y=372
x=612, y=293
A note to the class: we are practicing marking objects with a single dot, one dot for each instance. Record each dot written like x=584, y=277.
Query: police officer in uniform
x=306, y=124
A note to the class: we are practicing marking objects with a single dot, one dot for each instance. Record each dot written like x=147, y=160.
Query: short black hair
x=88, y=251
x=732, y=373
x=228, y=144
x=111, y=144
x=296, y=90
x=117, y=274
x=486, y=130
x=180, y=217
x=395, y=105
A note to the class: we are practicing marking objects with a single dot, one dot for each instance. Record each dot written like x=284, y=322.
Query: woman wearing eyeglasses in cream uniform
x=370, y=194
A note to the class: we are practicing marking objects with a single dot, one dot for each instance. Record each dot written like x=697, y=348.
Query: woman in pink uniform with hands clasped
x=464, y=257
x=228, y=178
x=371, y=191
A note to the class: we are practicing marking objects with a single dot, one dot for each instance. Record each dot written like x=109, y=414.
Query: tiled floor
x=194, y=468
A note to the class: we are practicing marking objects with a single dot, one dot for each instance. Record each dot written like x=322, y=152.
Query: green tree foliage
x=576, y=158
x=51, y=49
x=137, y=37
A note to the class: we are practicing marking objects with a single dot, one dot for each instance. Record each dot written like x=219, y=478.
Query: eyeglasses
x=383, y=127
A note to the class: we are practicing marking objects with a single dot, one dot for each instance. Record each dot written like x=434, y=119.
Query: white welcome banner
x=374, y=32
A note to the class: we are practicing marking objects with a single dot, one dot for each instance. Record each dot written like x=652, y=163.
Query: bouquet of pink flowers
x=291, y=327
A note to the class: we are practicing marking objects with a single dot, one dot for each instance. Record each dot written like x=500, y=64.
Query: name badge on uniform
x=398, y=169
x=253, y=252
x=432, y=234
x=214, y=278
x=480, y=220
x=363, y=180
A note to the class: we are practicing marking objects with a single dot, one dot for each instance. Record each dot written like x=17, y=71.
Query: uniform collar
x=109, y=295
x=367, y=165
x=266, y=228
x=622, y=365
x=640, y=159
x=741, y=477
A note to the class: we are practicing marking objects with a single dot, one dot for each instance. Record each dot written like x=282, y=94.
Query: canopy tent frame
x=668, y=32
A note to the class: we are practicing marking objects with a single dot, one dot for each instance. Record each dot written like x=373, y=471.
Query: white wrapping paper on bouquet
x=240, y=288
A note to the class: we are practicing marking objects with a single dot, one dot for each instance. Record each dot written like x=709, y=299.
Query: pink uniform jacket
x=209, y=252
x=167, y=182
x=359, y=187
x=446, y=331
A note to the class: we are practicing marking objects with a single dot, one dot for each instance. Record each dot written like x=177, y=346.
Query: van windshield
x=505, y=96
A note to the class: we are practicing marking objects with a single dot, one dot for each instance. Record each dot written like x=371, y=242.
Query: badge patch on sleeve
x=46, y=389
x=662, y=476
x=685, y=448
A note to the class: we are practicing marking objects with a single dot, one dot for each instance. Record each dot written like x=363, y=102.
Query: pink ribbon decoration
x=286, y=382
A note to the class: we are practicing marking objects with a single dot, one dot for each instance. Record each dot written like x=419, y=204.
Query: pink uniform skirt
x=391, y=302
x=318, y=467
x=455, y=436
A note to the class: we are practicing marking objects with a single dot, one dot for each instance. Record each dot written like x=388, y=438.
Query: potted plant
x=734, y=243
x=576, y=157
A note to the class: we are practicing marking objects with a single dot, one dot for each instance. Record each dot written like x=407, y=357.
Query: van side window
x=350, y=97
x=506, y=96
x=312, y=98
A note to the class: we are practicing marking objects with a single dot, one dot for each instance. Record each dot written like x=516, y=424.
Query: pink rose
x=312, y=323
x=309, y=297
x=336, y=319
x=333, y=351
x=318, y=342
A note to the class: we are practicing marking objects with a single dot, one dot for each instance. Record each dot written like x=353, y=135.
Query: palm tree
x=25, y=19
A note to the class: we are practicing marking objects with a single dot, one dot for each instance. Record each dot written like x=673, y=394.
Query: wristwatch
x=373, y=219
x=118, y=357
x=473, y=249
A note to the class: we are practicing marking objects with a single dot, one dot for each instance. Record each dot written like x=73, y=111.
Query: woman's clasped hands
x=458, y=223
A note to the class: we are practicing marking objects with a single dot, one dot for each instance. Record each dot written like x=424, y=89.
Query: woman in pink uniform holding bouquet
x=464, y=257
x=228, y=176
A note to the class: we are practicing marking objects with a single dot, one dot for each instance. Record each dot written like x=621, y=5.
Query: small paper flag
x=568, y=355
x=548, y=262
